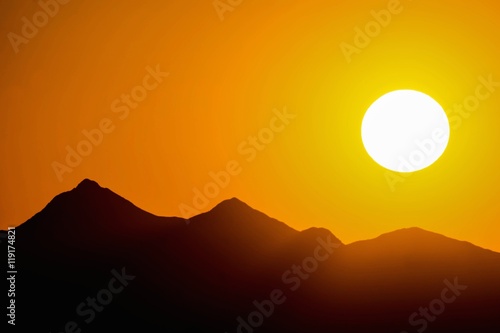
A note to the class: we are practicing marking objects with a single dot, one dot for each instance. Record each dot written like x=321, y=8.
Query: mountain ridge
x=89, y=188
x=206, y=273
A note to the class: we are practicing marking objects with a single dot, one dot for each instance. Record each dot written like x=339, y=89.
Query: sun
x=405, y=131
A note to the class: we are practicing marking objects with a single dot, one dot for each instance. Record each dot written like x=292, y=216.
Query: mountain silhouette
x=235, y=269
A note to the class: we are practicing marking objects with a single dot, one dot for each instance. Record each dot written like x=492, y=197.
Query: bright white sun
x=405, y=131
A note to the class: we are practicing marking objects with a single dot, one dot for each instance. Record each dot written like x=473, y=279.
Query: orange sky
x=178, y=93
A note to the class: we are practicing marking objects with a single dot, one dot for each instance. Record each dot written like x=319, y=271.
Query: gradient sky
x=227, y=79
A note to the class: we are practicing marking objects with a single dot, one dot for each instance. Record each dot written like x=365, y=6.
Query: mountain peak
x=315, y=233
x=413, y=232
x=232, y=203
x=230, y=207
x=88, y=184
